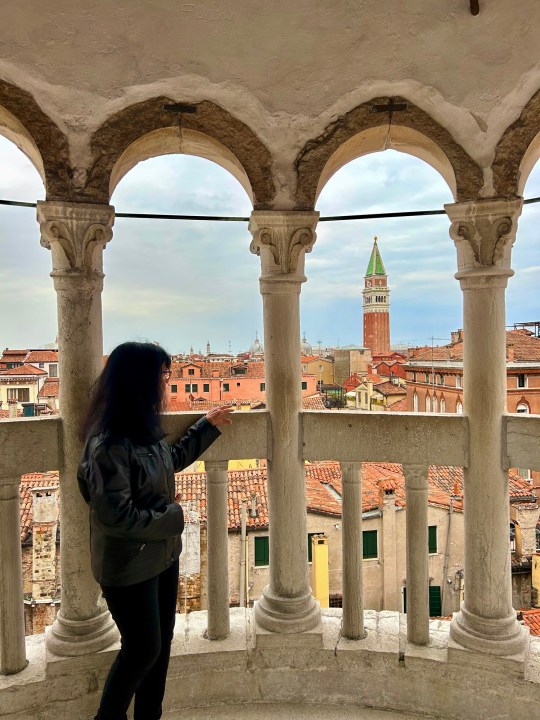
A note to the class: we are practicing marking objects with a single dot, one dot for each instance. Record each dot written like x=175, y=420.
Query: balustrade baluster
x=416, y=485
x=353, y=588
x=218, y=563
x=12, y=645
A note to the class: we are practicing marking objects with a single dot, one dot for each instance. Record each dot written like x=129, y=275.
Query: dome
x=256, y=347
x=306, y=347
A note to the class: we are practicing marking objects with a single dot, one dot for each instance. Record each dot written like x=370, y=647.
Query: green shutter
x=435, y=601
x=206, y=387
x=369, y=544
x=432, y=539
x=262, y=551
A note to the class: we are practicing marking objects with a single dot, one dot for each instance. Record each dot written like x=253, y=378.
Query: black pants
x=144, y=614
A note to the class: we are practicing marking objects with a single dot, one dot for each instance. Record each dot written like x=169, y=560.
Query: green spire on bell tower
x=375, y=265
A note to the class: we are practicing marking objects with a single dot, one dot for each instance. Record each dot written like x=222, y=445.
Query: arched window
x=459, y=408
x=443, y=405
x=428, y=403
x=415, y=402
x=522, y=408
x=434, y=408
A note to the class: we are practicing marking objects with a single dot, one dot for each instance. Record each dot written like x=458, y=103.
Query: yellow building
x=321, y=367
x=21, y=383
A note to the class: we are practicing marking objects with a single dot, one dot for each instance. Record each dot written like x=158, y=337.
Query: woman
x=127, y=477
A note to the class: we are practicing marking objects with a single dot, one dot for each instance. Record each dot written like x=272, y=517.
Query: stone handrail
x=415, y=440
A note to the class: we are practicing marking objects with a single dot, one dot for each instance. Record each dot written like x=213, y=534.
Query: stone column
x=76, y=234
x=353, y=587
x=218, y=557
x=484, y=233
x=282, y=239
x=12, y=645
x=416, y=486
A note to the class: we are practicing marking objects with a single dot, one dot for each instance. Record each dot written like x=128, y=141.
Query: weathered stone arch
x=23, y=122
x=517, y=151
x=132, y=135
x=361, y=131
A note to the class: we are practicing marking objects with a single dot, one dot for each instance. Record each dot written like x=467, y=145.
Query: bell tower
x=376, y=305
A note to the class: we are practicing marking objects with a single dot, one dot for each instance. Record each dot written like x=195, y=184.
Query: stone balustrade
x=414, y=440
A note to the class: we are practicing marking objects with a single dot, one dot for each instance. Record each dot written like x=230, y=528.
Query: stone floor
x=287, y=712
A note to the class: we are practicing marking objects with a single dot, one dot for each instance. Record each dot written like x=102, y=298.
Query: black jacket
x=135, y=524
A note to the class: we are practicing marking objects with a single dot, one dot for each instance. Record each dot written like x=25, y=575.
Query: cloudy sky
x=186, y=283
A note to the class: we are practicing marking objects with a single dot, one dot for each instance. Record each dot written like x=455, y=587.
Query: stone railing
x=413, y=440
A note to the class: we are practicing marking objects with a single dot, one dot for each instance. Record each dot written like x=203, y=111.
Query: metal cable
x=224, y=218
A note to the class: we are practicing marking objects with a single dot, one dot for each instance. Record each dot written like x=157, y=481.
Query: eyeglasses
x=167, y=373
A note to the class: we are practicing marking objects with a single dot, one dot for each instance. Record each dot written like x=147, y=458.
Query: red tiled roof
x=532, y=620
x=525, y=347
x=313, y=402
x=28, y=482
x=23, y=370
x=50, y=388
x=43, y=356
x=398, y=406
x=14, y=355
x=390, y=388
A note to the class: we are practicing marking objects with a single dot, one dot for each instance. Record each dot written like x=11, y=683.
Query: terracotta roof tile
x=23, y=370
x=390, y=388
x=51, y=388
x=398, y=406
x=28, y=483
x=525, y=347
x=532, y=620
x=44, y=356
x=313, y=402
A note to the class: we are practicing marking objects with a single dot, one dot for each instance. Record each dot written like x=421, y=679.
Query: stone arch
x=517, y=151
x=145, y=130
x=24, y=123
x=361, y=131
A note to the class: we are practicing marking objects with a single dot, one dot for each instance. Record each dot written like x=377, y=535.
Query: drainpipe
x=243, y=578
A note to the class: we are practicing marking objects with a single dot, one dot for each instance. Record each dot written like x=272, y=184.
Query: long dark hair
x=128, y=396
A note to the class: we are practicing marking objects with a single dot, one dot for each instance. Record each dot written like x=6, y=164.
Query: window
x=443, y=405
x=262, y=387
x=458, y=381
x=188, y=387
x=521, y=381
x=522, y=408
x=310, y=546
x=53, y=369
x=512, y=537
x=225, y=387
x=426, y=377
x=434, y=403
x=414, y=377
x=206, y=387
x=42, y=365
x=432, y=539
x=174, y=388
x=441, y=379
x=191, y=371
x=369, y=544
x=262, y=551
x=304, y=386
x=434, y=600
x=428, y=403
x=237, y=384
x=194, y=387
x=415, y=402
x=19, y=394
x=459, y=408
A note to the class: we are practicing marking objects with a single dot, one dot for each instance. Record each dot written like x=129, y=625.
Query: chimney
x=456, y=336
x=44, y=528
x=13, y=407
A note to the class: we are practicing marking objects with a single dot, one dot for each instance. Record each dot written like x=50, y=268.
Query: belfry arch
x=24, y=123
x=362, y=131
x=147, y=129
x=518, y=151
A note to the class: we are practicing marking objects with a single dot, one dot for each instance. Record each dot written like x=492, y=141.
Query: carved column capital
x=281, y=239
x=484, y=233
x=76, y=234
